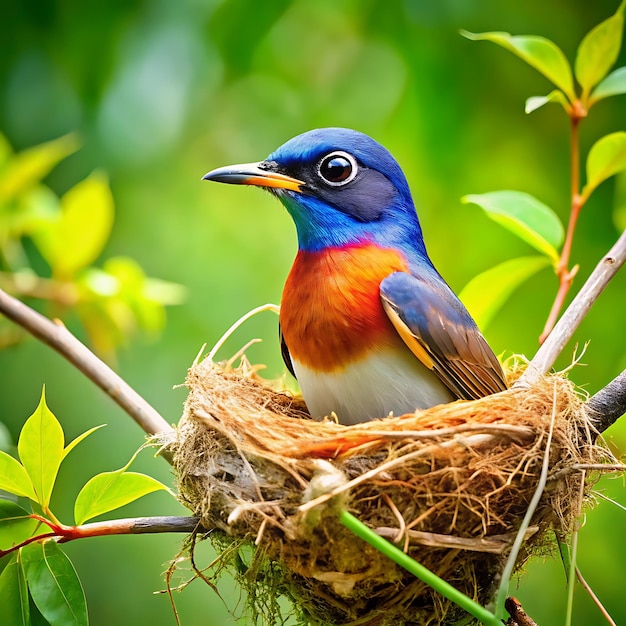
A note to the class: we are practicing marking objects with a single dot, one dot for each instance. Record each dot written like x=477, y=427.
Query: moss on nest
x=450, y=485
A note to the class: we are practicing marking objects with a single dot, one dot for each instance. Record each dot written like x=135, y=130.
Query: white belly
x=389, y=382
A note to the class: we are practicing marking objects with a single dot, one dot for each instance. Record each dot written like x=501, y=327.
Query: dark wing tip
x=284, y=350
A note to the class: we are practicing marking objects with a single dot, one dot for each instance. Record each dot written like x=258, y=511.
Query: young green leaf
x=77, y=440
x=525, y=216
x=54, y=584
x=40, y=447
x=27, y=168
x=111, y=490
x=613, y=85
x=606, y=158
x=14, y=594
x=15, y=525
x=14, y=478
x=598, y=51
x=541, y=53
x=76, y=239
x=486, y=293
x=536, y=102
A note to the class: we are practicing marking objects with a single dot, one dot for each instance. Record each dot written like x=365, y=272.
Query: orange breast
x=331, y=313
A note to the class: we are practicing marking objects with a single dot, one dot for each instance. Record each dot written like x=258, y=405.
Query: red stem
x=128, y=526
x=564, y=274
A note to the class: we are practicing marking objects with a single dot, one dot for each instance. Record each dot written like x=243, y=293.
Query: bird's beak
x=258, y=174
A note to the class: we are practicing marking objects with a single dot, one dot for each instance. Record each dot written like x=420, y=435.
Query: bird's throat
x=331, y=312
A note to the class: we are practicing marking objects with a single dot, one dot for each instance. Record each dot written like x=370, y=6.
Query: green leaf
x=541, y=53
x=486, y=293
x=598, y=51
x=78, y=236
x=14, y=478
x=536, y=102
x=41, y=447
x=613, y=85
x=80, y=438
x=15, y=525
x=36, y=618
x=606, y=158
x=526, y=217
x=29, y=167
x=164, y=292
x=111, y=490
x=619, y=206
x=54, y=584
x=33, y=210
x=14, y=594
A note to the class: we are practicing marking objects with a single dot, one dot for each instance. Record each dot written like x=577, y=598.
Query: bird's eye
x=337, y=168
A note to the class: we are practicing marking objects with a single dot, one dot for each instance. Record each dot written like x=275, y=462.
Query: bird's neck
x=331, y=311
x=320, y=229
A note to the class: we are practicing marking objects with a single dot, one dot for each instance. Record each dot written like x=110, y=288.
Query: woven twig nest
x=450, y=485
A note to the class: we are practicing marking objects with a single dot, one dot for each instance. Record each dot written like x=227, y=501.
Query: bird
x=367, y=325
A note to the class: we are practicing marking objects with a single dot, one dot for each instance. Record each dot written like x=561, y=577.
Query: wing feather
x=284, y=351
x=440, y=332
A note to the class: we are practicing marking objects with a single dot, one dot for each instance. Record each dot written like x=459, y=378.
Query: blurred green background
x=162, y=91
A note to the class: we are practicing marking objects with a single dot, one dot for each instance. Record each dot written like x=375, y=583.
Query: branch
x=127, y=526
x=609, y=404
x=134, y=526
x=517, y=613
x=60, y=339
x=569, y=322
x=577, y=112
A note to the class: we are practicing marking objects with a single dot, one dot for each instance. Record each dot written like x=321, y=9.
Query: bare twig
x=127, y=526
x=138, y=526
x=609, y=404
x=496, y=544
x=517, y=613
x=60, y=339
x=569, y=322
x=595, y=598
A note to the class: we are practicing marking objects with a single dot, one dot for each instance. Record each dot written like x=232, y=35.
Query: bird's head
x=339, y=185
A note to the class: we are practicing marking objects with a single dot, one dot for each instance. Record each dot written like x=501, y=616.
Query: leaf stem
x=418, y=570
x=576, y=311
x=576, y=113
x=127, y=526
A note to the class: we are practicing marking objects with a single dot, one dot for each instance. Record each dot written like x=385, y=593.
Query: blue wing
x=440, y=332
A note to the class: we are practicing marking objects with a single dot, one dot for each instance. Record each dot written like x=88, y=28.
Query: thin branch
x=564, y=274
x=135, y=526
x=517, y=613
x=569, y=322
x=60, y=339
x=609, y=404
x=595, y=598
x=127, y=526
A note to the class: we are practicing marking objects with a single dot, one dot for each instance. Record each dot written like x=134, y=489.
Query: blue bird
x=367, y=324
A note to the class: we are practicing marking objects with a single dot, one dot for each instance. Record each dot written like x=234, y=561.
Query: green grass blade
x=418, y=570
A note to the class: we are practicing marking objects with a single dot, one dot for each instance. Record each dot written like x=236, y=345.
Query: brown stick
x=60, y=339
x=609, y=404
x=127, y=526
x=569, y=322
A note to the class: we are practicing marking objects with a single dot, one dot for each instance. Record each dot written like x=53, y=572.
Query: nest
x=450, y=485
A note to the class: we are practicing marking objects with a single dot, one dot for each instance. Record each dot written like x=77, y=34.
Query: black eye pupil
x=336, y=168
